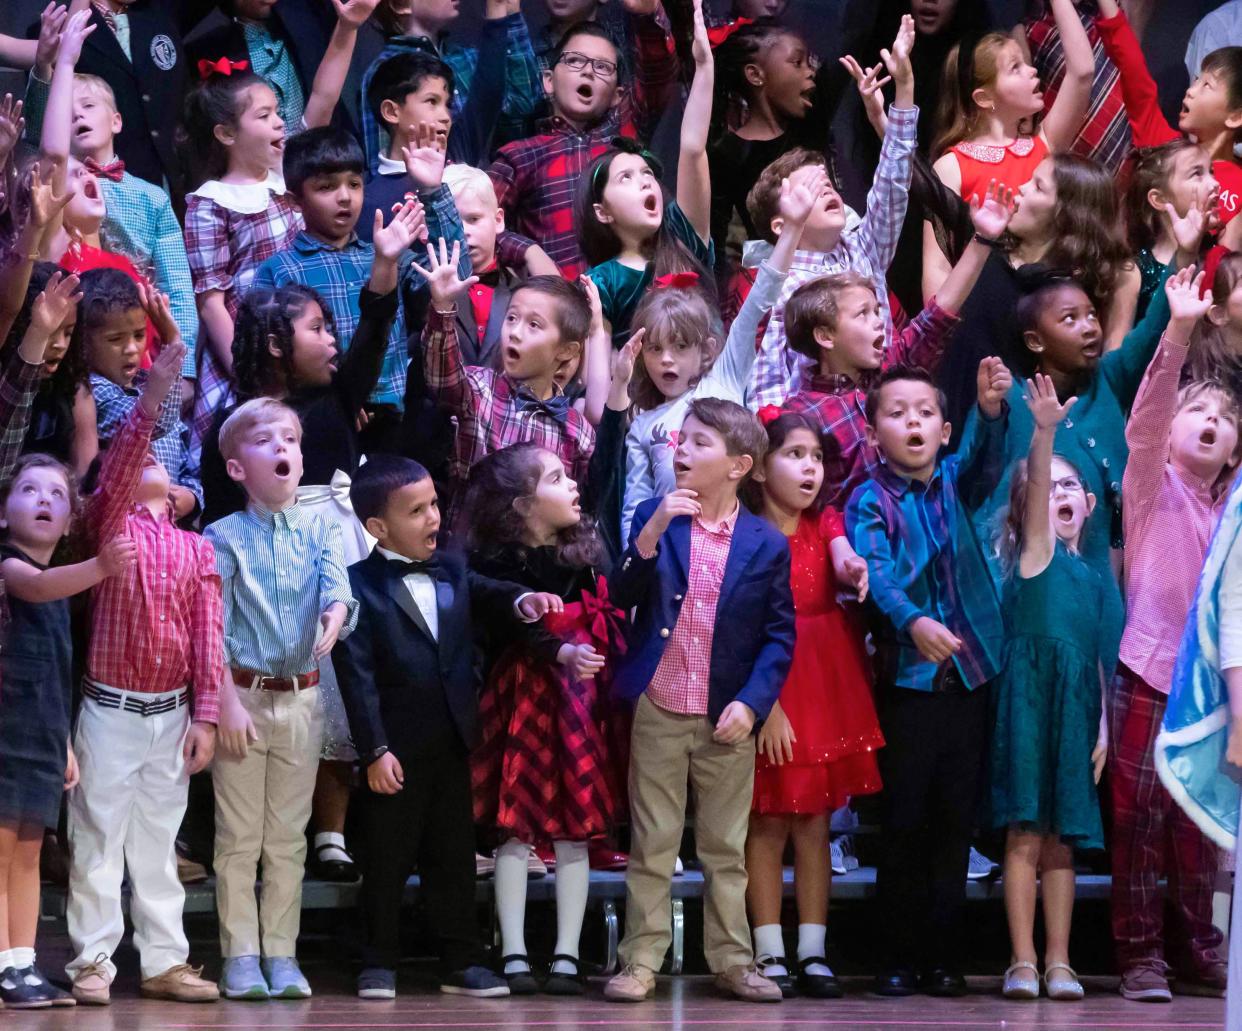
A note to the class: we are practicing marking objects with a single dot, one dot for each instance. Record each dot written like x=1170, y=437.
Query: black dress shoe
x=818, y=986
x=785, y=982
x=557, y=983
x=522, y=982
x=895, y=983
x=943, y=983
x=335, y=870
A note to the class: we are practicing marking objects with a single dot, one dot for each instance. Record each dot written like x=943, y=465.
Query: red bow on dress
x=224, y=66
x=720, y=33
x=113, y=170
x=677, y=281
x=604, y=616
x=769, y=414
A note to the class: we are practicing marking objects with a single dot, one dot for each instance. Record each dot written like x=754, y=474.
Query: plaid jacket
x=536, y=178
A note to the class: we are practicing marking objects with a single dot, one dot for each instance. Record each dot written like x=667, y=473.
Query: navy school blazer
x=754, y=637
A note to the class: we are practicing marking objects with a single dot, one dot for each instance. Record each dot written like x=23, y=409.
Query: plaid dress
x=230, y=230
x=550, y=759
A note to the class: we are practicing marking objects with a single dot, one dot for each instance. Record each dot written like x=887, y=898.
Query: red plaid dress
x=549, y=766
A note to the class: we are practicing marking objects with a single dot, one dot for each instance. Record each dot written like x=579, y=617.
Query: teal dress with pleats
x=1047, y=703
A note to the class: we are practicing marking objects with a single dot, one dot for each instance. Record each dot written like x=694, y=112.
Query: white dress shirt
x=422, y=589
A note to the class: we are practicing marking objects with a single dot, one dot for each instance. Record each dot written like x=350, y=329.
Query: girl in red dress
x=546, y=768
x=817, y=747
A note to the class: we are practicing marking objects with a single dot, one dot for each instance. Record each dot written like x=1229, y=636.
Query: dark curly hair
x=216, y=100
x=72, y=371
x=493, y=526
x=264, y=318
x=744, y=47
x=778, y=430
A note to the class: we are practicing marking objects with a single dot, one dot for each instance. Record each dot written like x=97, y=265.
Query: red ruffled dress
x=827, y=695
x=550, y=762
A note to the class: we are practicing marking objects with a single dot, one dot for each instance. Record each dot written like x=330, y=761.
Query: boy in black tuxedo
x=412, y=708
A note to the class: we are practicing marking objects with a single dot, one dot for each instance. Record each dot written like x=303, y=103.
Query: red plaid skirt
x=548, y=766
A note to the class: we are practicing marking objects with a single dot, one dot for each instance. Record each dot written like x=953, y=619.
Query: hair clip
x=768, y=414
x=676, y=281
x=206, y=69
x=716, y=36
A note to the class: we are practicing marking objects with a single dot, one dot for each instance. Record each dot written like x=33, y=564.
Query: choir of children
x=375, y=499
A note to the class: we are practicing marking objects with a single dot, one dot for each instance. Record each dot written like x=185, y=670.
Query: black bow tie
x=404, y=567
x=556, y=406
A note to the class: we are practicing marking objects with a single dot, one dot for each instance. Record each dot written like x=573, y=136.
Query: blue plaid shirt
x=925, y=560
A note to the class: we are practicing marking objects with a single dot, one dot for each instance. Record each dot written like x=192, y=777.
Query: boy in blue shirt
x=938, y=634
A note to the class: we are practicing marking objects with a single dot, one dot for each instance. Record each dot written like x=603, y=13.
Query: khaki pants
x=263, y=803
x=668, y=749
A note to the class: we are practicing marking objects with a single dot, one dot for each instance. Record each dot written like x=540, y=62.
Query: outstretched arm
x=1065, y=117
x=334, y=66
x=1038, y=540
x=694, y=193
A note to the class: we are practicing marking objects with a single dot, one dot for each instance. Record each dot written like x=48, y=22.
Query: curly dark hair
x=264, y=318
x=778, y=430
x=733, y=92
x=493, y=526
x=72, y=371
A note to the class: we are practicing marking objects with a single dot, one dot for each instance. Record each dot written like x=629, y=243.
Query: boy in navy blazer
x=708, y=654
x=409, y=686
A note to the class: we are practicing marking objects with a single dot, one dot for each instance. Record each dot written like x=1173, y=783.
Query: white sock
x=6, y=959
x=770, y=942
x=335, y=854
x=573, y=881
x=811, y=944
x=510, y=888
x=22, y=958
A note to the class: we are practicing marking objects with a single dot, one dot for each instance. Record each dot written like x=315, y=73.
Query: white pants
x=263, y=803
x=125, y=814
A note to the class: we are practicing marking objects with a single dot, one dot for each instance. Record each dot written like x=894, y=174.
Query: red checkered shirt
x=536, y=179
x=838, y=403
x=683, y=677
x=488, y=407
x=159, y=625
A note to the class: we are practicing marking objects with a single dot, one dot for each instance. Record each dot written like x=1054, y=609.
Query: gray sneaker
x=377, y=983
x=242, y=979
x=980, y=867
x=285, y=979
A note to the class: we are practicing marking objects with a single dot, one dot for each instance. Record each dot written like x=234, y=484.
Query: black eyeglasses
x=576, y=62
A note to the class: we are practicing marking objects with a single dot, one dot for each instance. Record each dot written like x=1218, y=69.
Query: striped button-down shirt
x=925, y=560
x=156, y=626
x=867, y=249
x=280, y=571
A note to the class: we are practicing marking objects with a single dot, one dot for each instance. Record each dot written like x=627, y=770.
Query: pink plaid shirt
x=158, y=626
x=682, y=679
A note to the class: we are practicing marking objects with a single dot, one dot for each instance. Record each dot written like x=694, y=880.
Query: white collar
x=244, y=198
x=387, y=166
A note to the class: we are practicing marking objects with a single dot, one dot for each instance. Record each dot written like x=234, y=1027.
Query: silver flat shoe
x=1063, y=989
x=1017, y=987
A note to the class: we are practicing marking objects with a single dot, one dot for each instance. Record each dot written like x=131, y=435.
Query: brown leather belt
x=249, y=679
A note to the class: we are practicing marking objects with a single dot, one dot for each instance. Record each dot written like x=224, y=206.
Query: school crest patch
x=163, y=52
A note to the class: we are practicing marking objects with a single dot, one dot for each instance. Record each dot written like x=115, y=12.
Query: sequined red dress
x=827, y=695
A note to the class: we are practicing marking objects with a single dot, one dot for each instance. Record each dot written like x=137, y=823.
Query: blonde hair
x=957, y=118
x=261, y=411
x=94, y=86
x=669, y=314
x=463, y=179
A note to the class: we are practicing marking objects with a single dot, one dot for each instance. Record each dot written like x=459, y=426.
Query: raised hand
x=991, y=217
x=50, y=309
x=443, y=281
x=12, y=124
x=897, y=60
x=392, y=240
x=1041, y=399
x=798, y=200
x=701, y=48
x=1187, y=305
x=45, y=202
x=1188, y=229
x=51, y=23
x=870, y=88
x=993, y=381
x=77, y=27
x=164, y=371
x=624, y=360
x=354, y=13
x=117, y=555
x=594, y=303
x=425, y=155
x=156, y=305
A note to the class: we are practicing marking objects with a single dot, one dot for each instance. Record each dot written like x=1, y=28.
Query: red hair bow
x=224, y=66
x=677, y=281
x=768, y=414
x=720, y=33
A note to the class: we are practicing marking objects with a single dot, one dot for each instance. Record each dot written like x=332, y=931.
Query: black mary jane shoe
x=818, y=986
x=335, y=871
x=521, y=982
x=557, y=983
x=785, y=982
x=943, y=983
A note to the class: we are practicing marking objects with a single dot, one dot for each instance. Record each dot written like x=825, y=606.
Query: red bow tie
x=112, y=170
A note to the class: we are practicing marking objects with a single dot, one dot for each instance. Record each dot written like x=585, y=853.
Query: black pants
x=932, y=765
x=429, y=822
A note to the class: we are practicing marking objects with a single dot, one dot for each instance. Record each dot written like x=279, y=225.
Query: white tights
x=573, y=873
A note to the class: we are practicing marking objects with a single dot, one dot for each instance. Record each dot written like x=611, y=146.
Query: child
x=1217, y=350
x=708, y=653
x=827, y=245
x=837, y=322
x=1183, y=452
x=282, y=616
x=544, y=771
x=114, y=316
x=147, y=720
x=938, y=637
x=413, y=712
x=991, y=93
x=626, y=231
x=677, y=361
x=536, y=178
x=546, y=325
x=1048, y=733
x=138, y=216
x=817, y=746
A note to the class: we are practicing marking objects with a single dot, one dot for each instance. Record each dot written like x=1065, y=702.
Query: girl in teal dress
x=1048, y=738
x=627, y=233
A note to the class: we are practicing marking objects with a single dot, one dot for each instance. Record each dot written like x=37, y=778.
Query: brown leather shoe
x=746, y=983
x=1208, y=980
x=181, y=983
x=91, y=984
x=634, y=983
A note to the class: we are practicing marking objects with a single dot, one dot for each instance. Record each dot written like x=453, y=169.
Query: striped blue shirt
x=279, y=571
x=924, y=560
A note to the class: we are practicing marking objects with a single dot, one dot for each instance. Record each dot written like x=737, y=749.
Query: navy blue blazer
x=753, y=642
